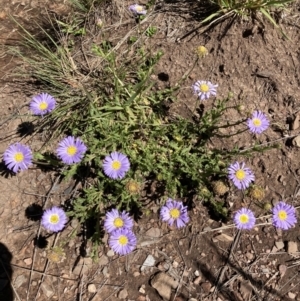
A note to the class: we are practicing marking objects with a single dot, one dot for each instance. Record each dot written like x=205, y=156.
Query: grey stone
x=19, y=281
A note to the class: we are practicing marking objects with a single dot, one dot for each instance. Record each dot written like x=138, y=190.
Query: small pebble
x=110, y=253
x=28, y=261
x=92, y=288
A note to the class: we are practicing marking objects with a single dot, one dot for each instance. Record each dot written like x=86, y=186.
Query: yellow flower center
x=139, y=8
x=204, y=88
x=256, y=121
x=244, y=218
x=282, y=215
x=71, y=150
x=43, y=105
x=19, y=157
x=123, y=240
x=116, y=165
x=118, y=222
x=240, y=174
x=174, y=213
x=54, y=219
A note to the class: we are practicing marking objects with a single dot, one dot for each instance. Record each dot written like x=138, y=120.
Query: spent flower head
x=17, y=157
x=42, y=104
x=284, y=216
x=174, y=212
x=244, y=219
x=133, y=187
x=202, y=51
x=71, y=150
x=54, y=219
x=116, y=165
x=219, y=187
x=256, y=192
x=117, y=220
x=137, y=9
x=122, y=241
x=56, y=254
x=240, y=175
x=204, y=89
x=258, y=122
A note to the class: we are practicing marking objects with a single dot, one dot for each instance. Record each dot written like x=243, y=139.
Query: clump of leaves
x=246, y=8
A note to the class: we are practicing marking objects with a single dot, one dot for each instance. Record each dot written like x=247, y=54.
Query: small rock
x=103, y=260
x=47, y=290
x=265, y=271
x=74, y=223
x=246, y=290
x=296, y=141
x=149, y=262
x=197, y=273
x=92, y=288
x=19, y=281
x=295, y=123
x=175, y=264
x=249, y=255
x=33, y=283
x=206, y=286
x=193, y=299
x=110, y=253
x=291, y=295
x=141, y=298
x=279, y=244
x=292, y=247
x=136, y=274
x=28, y=261
x=105, y=272
x=163, y=283
x=224, y=237
x=197, y=280
x=153, y=232
x=142, y=290
x=179, y=298
x=123, y=294
x=282, y=269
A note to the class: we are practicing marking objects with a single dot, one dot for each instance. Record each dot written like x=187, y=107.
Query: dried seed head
x=256, y=193
x=56, y=254
x=219, y=188
x=133, y=187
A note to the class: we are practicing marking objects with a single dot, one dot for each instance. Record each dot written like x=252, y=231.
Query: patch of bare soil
x=208, y=260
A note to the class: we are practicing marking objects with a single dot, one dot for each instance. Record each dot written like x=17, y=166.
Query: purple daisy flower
x=42, y=104
x=54, y=219
x=244, y=219
x=115, y=220
x=284, y=216
x=240, y=175
x=174, y=211
x=71, y=150
x=116, y=165
x=17, y=157
x=137, y=9
x=122, y=241
x=258, y=123
x=204, y=89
